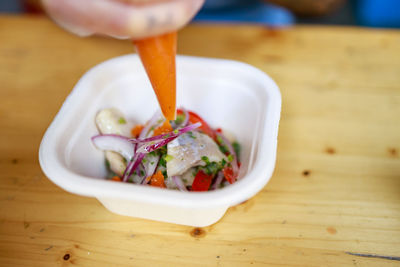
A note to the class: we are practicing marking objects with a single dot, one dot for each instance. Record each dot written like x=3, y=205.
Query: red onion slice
x=165, y=136
x=150, y=168
x=116, y=143
x=185, y=120
x=141, y=170
x=152, y=123
x=186, y=114
x=147, y=148
x=179, y=183
x=218, y=180
x=132, y=166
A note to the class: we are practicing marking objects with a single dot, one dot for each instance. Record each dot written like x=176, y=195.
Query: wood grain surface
x=334, y=199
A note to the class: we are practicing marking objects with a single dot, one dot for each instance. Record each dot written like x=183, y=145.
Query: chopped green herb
x=230, y=157
x=237, y=148
x=219, y=139
x=191, y=135
x=121, y=120
x=205, y=159
x=212, y=168
x=166, y=136
x=141, y=173
x=223, y=162
x=162, y=150
x=184, y=180
x=168, y=158
x=152, y=162
x=223, y=149
x=165, y=173
x=176, y=131
x=144, y=160
x=179, y=119
x=153, y=153
x=163, y=162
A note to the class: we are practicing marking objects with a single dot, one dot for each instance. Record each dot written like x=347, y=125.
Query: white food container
x=227, y=94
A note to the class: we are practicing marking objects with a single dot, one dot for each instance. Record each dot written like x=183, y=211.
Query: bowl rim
x=236, y=193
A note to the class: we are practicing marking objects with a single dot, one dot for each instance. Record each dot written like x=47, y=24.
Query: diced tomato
x=201, y=181
x=193, y=118
x=219, y=130
x=135, y=131
x=157, y=179
x=164, y=128
x=228, y=173
x=116, y=179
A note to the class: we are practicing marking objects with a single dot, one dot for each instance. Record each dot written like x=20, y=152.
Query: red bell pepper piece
x=228, y=173
x=201, y=181
x=194, y=118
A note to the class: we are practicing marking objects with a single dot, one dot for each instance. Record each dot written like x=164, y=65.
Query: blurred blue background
x=276, y=13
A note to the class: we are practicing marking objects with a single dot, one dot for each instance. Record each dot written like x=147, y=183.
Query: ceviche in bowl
x=225, y=133
x=185, y=154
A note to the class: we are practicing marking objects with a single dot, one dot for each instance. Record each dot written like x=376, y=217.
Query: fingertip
x=162, y=18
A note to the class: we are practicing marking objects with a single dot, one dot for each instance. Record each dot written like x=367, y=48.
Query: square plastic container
x=227, y=94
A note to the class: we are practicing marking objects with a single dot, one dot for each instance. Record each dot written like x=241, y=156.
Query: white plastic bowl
x=227, y=94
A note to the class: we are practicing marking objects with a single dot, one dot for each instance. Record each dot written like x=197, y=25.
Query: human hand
x=123, y=19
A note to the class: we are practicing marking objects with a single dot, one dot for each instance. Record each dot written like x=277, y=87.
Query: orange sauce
x=158, y=58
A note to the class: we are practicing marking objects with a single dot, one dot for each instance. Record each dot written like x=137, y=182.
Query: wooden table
x=334, y=199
